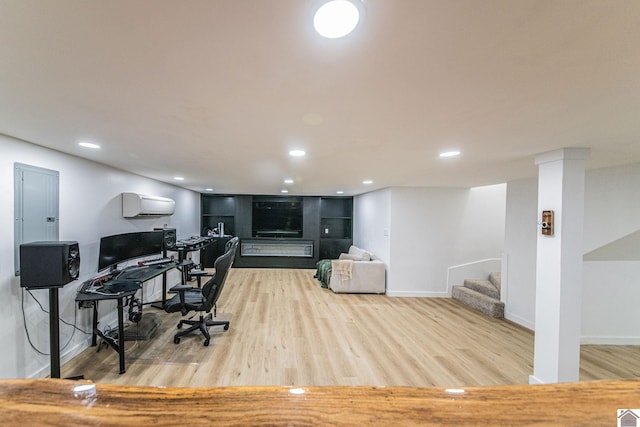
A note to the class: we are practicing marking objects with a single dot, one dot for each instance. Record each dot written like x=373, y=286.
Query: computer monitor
x=124, y=247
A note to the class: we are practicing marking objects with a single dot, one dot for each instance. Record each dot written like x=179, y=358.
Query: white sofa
x=357, y=272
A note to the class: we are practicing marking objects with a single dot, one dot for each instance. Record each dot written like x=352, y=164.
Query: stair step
x=496, y=279
x=481, y=302
x=484, y=287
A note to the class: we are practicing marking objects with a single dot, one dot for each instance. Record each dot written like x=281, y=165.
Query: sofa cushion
x=356, y=252
x=350, y=257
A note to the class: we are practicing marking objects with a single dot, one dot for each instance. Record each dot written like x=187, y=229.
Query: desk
x=183, y=247
x=191, y=245
x=143, y=274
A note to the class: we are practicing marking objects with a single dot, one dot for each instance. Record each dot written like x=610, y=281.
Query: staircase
x=482, y=295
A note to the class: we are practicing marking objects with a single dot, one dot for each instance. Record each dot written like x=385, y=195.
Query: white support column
x=559, y=267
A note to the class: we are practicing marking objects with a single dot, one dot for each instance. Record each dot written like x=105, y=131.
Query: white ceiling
x=218, y=91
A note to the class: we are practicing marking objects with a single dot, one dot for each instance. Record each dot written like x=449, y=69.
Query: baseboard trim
x=65, y=357
x=519, y=320
x=533, y=380
x=593, y=340
x=419, y=294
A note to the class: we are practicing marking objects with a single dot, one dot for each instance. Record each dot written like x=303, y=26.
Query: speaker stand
x=54, y=332
x=54, y=335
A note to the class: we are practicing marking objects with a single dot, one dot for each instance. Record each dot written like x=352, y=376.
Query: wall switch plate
x=326, y=231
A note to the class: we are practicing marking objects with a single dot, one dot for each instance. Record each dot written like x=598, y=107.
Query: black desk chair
x=203, y=299
x=199, y=273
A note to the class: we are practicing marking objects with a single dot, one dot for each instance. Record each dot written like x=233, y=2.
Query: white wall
x=519, y=259
x=611, y=292
x=372, y=223
x=481, y=229
x=429, y=230
x=612, y=211
x=90, y=208
x=612, y=205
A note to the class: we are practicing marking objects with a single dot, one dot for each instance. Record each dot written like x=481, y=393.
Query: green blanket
x=324, y=272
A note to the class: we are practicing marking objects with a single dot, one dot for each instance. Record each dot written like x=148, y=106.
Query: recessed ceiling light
x=87, y=144
x=336, y=18
x=288, y=181
x=367, y=182
x=450, y=153
x=208, y=189
x=178, y=178
x=297, y=153
x=284, y=190
x=339, y=192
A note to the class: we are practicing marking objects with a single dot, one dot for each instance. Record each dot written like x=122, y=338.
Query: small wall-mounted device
x=547, y=223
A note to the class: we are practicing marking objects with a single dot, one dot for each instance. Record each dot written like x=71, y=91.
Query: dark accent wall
x=236, y=212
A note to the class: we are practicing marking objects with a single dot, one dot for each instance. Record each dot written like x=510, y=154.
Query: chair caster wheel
x=226, y=327
x=176, y=340
x=179, y=326
x=206, y=343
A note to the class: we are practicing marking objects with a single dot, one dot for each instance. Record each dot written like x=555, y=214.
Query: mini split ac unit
x=134, y=204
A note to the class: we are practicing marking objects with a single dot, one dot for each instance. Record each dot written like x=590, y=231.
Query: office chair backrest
x=213, y=288
x=232, y=244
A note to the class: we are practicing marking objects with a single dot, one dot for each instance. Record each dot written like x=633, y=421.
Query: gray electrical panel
x=36, y=206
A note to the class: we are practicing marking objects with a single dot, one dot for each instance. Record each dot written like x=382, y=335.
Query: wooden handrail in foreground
x=65, y=402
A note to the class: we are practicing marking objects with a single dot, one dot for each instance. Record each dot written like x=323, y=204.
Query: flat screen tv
x=124, y=247
x=277, y=217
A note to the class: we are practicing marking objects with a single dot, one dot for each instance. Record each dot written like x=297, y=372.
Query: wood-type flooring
x=286, y=330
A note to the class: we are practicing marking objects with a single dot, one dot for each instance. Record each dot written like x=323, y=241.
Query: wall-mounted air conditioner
x=134, y=204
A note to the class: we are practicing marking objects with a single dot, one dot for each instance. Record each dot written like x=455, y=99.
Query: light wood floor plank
x=287, y=330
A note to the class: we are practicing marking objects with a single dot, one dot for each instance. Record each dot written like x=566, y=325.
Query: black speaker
x=49, y=264
x=169, y=240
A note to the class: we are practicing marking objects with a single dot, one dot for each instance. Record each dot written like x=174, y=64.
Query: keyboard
x=96, y=282
x=194, y=242
x=110, y=287
x=155, y=262
x=133, y=273
x=119, y=286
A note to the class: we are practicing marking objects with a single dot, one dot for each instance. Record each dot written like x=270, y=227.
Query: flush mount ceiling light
x=336, y=18
x=450, y=154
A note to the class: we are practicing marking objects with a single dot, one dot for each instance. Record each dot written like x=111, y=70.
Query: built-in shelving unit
x=327, y=224
x=216, y=209
x=336, y=226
